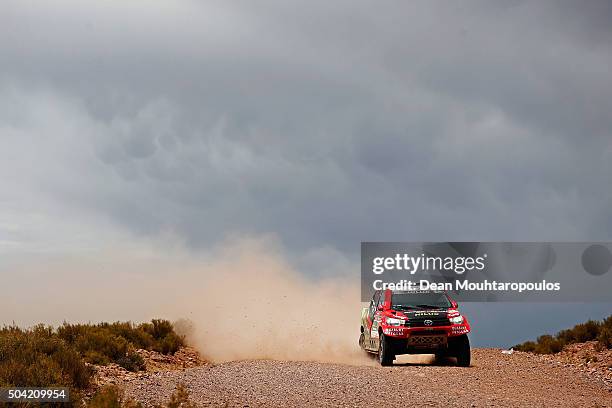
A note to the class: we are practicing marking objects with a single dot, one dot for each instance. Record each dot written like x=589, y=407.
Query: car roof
x=409, y=292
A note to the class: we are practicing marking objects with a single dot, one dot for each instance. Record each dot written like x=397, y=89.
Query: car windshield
x=419, y=300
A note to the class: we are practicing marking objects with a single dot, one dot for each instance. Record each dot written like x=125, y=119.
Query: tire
x=441, y=357
x=385, y=354
x=362, y=340
x=462, y=351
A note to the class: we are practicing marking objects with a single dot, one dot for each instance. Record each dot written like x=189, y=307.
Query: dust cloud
x=253, y=305
x=244, y=298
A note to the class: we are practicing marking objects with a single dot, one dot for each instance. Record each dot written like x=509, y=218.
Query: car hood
x=424, y=314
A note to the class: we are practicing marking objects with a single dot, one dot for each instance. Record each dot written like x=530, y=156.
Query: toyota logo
x=427, y=322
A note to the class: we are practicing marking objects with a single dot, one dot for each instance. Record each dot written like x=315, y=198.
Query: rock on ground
x=495, y=379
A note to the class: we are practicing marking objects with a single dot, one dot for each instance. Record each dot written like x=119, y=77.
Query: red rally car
x=414, y=322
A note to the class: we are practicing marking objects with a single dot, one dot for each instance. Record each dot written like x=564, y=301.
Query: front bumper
x=402, y=332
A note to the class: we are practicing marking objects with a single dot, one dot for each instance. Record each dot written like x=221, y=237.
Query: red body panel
x=405, y=332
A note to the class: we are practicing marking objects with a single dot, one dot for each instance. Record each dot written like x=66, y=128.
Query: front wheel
x=385, y=354
x=441, y=357
x=462, y=351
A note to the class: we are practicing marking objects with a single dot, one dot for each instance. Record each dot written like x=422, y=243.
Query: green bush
x=132, y=362
x=37, y=357
x=134, y=335
x=548, y=344
x=605, y=338
x=607, y=323
x=158, y=329
x=165, y=339
x=179, y=399
x=42, y=356
x=104, y=343
x=566, y=336
x=529, y=346
x=580, y=333
x=586, y=331
x=110, y=396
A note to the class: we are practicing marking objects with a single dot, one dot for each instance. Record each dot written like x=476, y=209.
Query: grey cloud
x=331, y=124
x=325, y=124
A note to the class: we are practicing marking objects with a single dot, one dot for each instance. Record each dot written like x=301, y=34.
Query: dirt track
x=494, y=379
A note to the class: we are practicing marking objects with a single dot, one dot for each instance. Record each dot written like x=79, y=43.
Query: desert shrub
x=586, y=331
x=566, y=336
x=547, y=344
x=133, y=334
x=38, y=357
x=179, y=399
x=165, y=339
x=124, y=330
x=605, y=338
x=110, y=396
x=580, y=333
x=169, y=344
x=132, y=361
x=42, y=356
x=607, y=323
x=528, y=346
x=158, y=328
x=101, y=348
x=106, y=397
x=104, y=343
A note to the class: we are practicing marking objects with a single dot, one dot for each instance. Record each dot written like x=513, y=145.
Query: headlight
x=457, y=319
x=394, y=322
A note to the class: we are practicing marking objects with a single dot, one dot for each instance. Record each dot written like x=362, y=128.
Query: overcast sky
x=320, y=123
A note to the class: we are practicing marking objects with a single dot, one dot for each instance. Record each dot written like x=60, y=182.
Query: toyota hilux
x=414, y=322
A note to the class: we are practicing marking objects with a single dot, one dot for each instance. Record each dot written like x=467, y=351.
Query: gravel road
x=495, y=379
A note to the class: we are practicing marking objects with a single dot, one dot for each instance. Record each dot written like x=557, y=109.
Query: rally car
x=414, y=322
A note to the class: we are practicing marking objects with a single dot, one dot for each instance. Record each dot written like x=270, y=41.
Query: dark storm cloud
x=326, y=124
